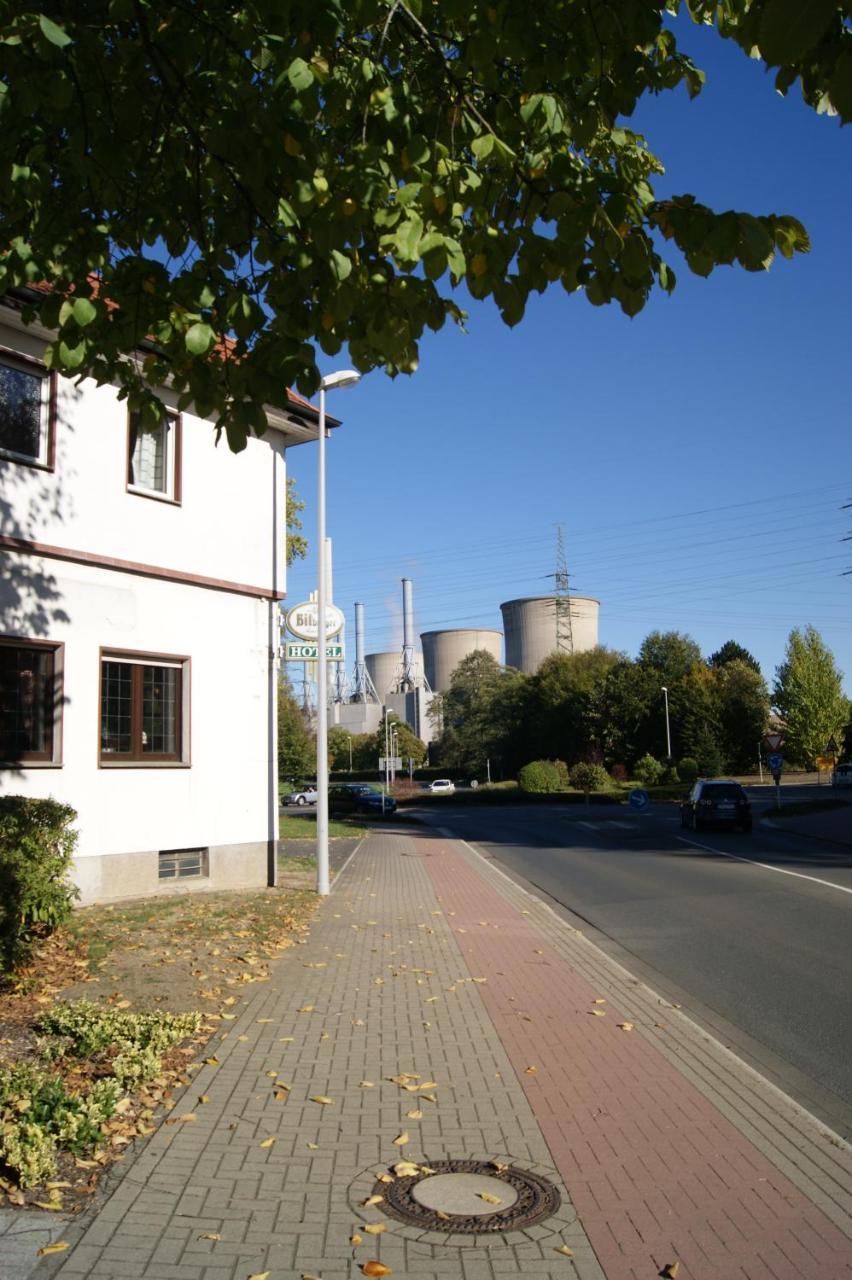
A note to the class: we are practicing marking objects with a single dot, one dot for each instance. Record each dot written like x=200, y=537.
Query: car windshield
x=723, y=791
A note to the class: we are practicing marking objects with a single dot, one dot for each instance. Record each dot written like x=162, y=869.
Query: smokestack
x=360, y=690
x=407, y=634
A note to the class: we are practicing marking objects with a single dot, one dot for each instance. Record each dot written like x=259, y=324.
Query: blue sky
x=697, y=455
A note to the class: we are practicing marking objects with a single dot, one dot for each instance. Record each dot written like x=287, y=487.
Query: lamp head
x=343, y=378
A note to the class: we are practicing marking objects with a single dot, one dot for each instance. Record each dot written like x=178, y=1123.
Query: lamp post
x=333, y=381
x=387, y=755
x=668, y=728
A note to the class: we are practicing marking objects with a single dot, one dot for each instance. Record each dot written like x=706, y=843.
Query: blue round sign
x=638, y=798
x=776, y=763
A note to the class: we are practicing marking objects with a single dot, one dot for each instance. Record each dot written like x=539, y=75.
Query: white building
x=142, y=572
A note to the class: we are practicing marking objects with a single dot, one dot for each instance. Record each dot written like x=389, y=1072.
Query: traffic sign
x=391, y=762
x=638, y=798
x=776, y=763
x=773, y=740
x=294, y=652
x=831, y=746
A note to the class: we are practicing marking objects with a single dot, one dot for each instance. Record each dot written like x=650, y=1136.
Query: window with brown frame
x=25, y=410
x=142, y=717
x=153, y=457
x=30, y=701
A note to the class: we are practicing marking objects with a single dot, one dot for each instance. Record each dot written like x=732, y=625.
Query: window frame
x=136, y=759
x=172, y=495
x=46, y=460
x=52, y=758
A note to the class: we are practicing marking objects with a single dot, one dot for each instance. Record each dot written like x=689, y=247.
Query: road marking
x=782, y=871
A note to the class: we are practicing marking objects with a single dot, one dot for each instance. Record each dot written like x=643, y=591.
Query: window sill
x=169, y=499
x=106, y=763
x=26, y=460
x=30, y=764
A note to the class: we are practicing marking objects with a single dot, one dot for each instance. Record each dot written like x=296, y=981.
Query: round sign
x=303, y=620
x=776, y=763
x=638, y=798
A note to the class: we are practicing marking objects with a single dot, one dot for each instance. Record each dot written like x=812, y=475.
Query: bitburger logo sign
x=303, y=621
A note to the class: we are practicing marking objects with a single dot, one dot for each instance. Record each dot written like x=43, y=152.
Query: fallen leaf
x=355, y=1240
x=260, y=1020
x=530, y=1071
x=371, y=1200
x=59, y=1247
x=269, y=1142
x=563, y=1248
x=307, y=1008
x=322, y=1100
x=401, y=1140
x=187, y=1118
x=414, y=1115
x=212, y=1062
x=669, y=1271
x=54, y=1205
x=312, y=1146
x=599, y=1000
x=203, y=1097
x=375, y=1228
x=439, y=1213
x=428, y=1097
x=406, y=1169
x=209, y=1235
x=280, y=1093
x=272, y=1074
x=259, y=1275
x=598, y=1013
x=372, y=1268
x=626, y=1026
x=384, y=1177
x=499, y=1166
x=488, y=1198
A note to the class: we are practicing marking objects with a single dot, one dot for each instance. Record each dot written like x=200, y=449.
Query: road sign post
x=776, y=768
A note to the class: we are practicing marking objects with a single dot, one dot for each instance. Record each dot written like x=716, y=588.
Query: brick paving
x=427, y=960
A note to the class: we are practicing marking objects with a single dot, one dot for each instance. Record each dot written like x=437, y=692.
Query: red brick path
x=655, y=1172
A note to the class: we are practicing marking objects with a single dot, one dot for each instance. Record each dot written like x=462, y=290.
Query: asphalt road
x=759, y=955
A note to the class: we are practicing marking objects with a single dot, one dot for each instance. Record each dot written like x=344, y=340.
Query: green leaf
x=84, y=311
x=72, y=357
x=483, y=145
x=199, y=339
x=300, y=75
x=789, y=29
x=56, y=35
x=341, y=265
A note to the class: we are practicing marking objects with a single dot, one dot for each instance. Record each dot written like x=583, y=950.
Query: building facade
x=142, y=574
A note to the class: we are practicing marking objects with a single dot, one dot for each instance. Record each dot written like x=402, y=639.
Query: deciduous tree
x=809, y=696
x=224, y=187
x=296, y=744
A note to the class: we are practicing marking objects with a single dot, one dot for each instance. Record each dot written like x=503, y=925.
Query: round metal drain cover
x=470, y=1197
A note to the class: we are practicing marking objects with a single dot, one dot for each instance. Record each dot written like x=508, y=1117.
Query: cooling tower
x=444, y=650
x=530, y=628
x=385, y=670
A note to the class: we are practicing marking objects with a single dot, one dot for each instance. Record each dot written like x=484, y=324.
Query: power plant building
x=530, y=627
x=444, y=650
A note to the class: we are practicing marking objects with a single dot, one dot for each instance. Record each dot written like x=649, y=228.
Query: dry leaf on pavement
x=530, y=1071
x=401, y=1140
x=375, y=1228
x=59, y=1247
x=260, y=1275
x=598, y=1013
x=355, y=1240
x=371, y=1200
x=563, y=1248
x=416, y=1114
x=488, y=1198
x=373, y=1268
x=625, y=1026
x=669, y=1271
x=209, y=1235
x=269, y=1142
x=322, y=1100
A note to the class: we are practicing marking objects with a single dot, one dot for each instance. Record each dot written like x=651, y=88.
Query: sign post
x=776, y=768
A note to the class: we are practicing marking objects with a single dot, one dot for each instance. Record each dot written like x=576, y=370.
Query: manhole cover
x=470, y=1197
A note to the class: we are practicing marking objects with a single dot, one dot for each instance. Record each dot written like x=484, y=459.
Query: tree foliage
x=731, y=651
x=226, y=187
x=474, y=727
x=297, y=543
x=296, y=744
x=808, y=694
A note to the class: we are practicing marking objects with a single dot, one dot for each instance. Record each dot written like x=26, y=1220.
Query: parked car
x=303, y=795
x=441, y=786
x=357, y=797
x=717, y=800
x=842, y=775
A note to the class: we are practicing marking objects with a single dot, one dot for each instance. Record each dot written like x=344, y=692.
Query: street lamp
x=668, y=728
x=332, y=382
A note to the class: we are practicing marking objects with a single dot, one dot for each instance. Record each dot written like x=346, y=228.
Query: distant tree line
x=604, y=708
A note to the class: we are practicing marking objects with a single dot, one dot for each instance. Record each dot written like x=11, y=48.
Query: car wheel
x=696, y=825
x=301, y=800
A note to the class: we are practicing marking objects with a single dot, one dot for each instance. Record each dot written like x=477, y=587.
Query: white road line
x=590, y=826
x=782, y=871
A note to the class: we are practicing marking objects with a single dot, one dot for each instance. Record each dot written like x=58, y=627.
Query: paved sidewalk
x=834, y=825
x=426, y=960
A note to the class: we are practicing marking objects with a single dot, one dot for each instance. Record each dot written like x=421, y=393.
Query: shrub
x=38, y=1118
x=36, y=897
x=589, y=777
x=688, y=769
x=541, y=776
x=648, y=770
x=670, y=774
x=84, y=1030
